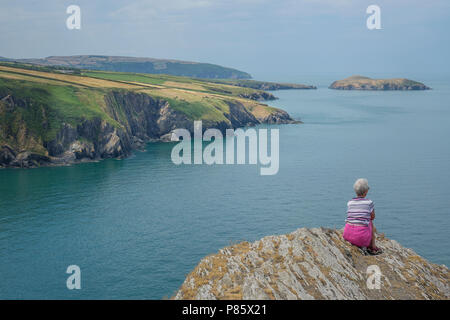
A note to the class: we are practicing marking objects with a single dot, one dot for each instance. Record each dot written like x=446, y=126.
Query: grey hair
x=361, y=186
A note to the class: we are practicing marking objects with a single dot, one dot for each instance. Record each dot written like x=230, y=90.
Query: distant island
x=365, y=83
x=141, y=65
x=313, y=264
x=58, y=116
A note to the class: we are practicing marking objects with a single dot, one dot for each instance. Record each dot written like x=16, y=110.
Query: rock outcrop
x=365, y=83
x=314, y=264
x=258, y=96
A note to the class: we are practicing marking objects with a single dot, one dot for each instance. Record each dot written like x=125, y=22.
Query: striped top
x=359, y=211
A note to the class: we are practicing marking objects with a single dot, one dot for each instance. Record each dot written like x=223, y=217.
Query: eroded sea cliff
x=52, y=118
x=314, y=264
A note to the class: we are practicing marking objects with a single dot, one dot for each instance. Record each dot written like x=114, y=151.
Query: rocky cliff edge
x=314, y=264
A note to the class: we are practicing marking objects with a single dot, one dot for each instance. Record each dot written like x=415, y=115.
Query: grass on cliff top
x=173, y=82
x=374, y=81
x=65, y=79
x=127, y=77
x=72, y=97
x=52, y=104
x=205, y=109
x=195, y=98
x=93, y=78
x=122, y=80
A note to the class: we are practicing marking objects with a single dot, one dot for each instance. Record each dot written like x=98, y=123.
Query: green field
x=43, y=98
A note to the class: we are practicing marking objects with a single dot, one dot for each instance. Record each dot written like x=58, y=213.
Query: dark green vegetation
x=264, y=85
x=141, y=65
x=54, y=115
x=130, y=77
x=43, y=107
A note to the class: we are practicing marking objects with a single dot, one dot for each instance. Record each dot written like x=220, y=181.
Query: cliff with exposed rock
x=51, y=117
x=314, y=264
x=137, y=118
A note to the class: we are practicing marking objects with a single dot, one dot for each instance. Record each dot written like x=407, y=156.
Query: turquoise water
x=137, y=226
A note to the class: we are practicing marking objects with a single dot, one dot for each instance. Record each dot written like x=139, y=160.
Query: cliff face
x=137, y=118
x=144, y=118
x=258, y=96
x=314, y=264
x=365, y=83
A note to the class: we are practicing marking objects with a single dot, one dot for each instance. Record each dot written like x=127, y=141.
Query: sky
x=257, y=36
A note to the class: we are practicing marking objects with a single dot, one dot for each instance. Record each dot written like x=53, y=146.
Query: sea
x=137, y=226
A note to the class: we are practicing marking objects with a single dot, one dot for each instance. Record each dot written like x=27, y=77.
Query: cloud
x=229, y=32
x=155, y=8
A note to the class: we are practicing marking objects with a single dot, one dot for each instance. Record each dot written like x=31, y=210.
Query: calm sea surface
x=137, y=226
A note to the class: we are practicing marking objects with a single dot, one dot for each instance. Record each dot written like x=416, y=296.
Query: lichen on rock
x=313, y=264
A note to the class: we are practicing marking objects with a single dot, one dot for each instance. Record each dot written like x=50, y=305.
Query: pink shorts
x=360, y=236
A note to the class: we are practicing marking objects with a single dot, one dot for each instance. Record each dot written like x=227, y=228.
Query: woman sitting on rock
x=359, y=229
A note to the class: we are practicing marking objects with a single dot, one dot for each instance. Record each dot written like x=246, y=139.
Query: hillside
x=365, y=83
x=313, y=264
x=59, y=117
x=141, y=65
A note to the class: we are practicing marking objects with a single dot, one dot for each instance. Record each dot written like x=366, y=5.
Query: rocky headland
x=265, y=85
x=314, y=264
x=140, y=118
x=365, y=83
x=51, y=117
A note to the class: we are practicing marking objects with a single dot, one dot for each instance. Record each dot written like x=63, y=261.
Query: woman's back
x=359, y=210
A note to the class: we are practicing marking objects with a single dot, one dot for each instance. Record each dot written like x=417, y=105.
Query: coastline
x=53, y=118
x=96, y=197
